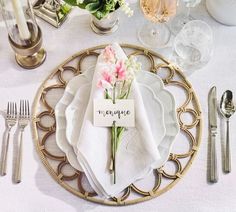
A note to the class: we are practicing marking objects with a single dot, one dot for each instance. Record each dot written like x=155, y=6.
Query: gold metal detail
x=163, y=180
x=32, y=56
x=54, y=12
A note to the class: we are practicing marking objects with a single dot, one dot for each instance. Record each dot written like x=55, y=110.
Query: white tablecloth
x=40, y=193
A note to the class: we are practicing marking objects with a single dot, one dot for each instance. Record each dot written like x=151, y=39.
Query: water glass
x=193, y=45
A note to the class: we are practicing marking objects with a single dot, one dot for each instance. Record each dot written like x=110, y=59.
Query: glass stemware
x=193, y=46
x=155, y=33
x=180, y=20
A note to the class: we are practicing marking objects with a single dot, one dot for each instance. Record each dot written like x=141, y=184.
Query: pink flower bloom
x=107, y=76
x=106, y=80
x=99, y=85
x=104, y=84
x=109, y=54
x=120, y=70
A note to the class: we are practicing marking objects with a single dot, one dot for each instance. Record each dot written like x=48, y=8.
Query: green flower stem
x=129, y=90
x=114, y=94
x=113, y=151
x=116, y=132
x=111, y=168
x=114, y=128
x=120, y=131
x=114, y=159
x=116, y=135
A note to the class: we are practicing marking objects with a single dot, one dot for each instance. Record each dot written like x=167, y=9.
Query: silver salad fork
x=11, y=119
x=24, y=118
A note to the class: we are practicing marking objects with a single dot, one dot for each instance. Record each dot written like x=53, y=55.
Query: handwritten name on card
x=105, y=113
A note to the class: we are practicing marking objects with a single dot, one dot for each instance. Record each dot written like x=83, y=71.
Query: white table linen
x=38, y=192
x=136, y=154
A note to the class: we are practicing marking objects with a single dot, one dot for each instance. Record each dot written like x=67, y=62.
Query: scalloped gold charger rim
x=72, y=190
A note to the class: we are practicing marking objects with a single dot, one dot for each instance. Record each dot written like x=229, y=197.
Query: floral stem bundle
x=116, y=80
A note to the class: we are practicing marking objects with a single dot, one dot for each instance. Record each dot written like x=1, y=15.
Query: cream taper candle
x=20, y=20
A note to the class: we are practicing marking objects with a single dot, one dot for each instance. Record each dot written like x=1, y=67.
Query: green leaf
x=82, y=6
x=90, y=1
x=120, y=132
x=107, y=96
x=71, y=2
x=65, y=8
x=100, y=14
x=93, y=7
x=122, y=96
x=98, y=8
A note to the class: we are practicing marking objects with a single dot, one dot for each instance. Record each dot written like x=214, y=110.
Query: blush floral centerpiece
x=105, y=13
x=116, y=81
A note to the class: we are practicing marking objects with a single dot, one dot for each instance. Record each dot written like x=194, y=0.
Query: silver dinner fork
x=11, y=119
x=24, y=118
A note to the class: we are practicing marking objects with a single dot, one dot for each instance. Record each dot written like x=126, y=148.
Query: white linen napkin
x=136, y=154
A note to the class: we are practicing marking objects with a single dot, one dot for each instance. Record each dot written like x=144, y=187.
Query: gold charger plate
x=72, y=180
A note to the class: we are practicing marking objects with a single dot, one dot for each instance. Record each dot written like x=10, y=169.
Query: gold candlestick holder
x=24, y=34
x=31, y=55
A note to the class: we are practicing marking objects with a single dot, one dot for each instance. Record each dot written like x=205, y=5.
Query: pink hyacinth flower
x=109, y=54
x=104, y=85
x=120, y=70
x=106, y=80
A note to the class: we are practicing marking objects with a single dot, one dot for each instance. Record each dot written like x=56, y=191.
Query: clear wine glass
x=193, y=46
x=155, y=33
x=180, y=20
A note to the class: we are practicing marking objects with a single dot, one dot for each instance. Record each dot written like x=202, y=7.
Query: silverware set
x=227, y=109
x=212, y=112
x=12, y=118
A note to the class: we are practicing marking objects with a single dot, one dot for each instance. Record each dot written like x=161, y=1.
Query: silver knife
x=212, y=112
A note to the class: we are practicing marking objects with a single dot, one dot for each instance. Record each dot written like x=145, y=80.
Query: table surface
x=38, y=192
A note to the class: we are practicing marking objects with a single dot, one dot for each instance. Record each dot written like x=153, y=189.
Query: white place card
x=105, y=113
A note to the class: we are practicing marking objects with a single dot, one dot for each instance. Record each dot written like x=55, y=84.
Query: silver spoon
x=227, y=109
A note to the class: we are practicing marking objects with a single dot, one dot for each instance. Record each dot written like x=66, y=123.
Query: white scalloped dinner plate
x=159, y=104
x=155, y=83
x=71, y=89
x=75, y=113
